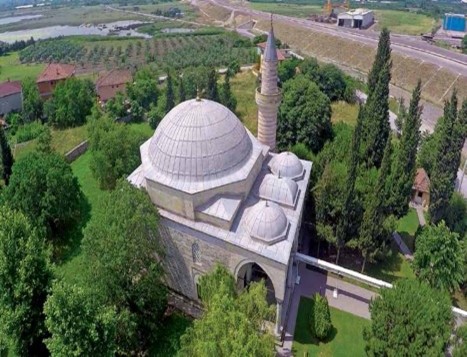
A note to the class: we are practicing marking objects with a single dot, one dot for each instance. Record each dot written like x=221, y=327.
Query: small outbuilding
x=357, y=19
x=112, y=82
x=421, y=189
x=11, y=97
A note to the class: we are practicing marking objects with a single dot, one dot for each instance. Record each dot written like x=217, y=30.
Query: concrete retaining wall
x=77, y=151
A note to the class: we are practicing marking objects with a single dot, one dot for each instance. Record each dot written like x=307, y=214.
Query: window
x=196, y=253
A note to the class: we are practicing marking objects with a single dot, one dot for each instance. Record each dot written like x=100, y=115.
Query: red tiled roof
x=422, y=181
x=56, y=71
x=280, y=53
x=114, y=77
x=9, y=87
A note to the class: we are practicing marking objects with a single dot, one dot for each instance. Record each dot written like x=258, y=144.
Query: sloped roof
x=279, y=53
x=56, y=71
x=422, y=181
x=114, y=77
x=9, y=87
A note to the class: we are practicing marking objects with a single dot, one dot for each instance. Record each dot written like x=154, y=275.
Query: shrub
x=320, y=319
x=29, y=132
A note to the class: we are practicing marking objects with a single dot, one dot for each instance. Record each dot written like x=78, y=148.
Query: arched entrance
x=251, y=272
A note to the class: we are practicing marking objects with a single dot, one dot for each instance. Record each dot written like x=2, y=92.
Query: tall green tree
x=439, y=258
x=411, y=319
x=460, y=341
x=304, y=115
x=121, y=244
x=169, y=93
x=6, y=157
x=32, y=102
x=44, y=188
x=376, y=128
x=25, y=277
x=227, y=97
x=71, y=103
x=450, y=135
x=382, y=59
x=44, y=141
x=404, y=169
x=181, y=91
x=231, y=325
x=348, y=211
x=79, y=324
x=143, y=89
x=212, y=92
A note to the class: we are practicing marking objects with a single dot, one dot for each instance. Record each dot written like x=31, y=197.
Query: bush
x=320, y=319
x=29, y=132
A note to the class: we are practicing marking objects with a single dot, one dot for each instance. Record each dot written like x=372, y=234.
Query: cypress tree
x=348, y=210
x=181, y=91
x=450, y=132
x=227, y=97
x=376, y=126
x=6, y=157
x=383, y=57
x=170, y=95
x=405, y=164
x=212, y=91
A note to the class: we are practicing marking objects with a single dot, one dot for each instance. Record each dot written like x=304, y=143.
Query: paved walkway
x=421, y=215
x=350, y=298
x=402, y=246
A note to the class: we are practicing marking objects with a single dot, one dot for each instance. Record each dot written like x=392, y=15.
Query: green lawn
x=345, y=340
x=11, y=68
x=344, y=112
x=243, y=87
x=407, y=226
x=403, y=22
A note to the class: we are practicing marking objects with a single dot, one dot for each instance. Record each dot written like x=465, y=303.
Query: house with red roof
x=281, y=54
x=421, y=189
x=53, y=74
x=112, y=82
x=11, y=97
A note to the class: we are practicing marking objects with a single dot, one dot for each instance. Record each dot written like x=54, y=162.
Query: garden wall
x=77, y=151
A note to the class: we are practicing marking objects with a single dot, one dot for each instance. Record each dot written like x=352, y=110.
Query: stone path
x=350, y=298
x=402, y=246
x=421, y=215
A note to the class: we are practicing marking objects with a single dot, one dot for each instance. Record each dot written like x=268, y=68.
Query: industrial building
x=357, y=19
x=454, y=22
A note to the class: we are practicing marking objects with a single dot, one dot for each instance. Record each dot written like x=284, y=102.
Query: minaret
x=268, y=96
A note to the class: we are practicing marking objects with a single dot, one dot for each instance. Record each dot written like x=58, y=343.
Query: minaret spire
x=268, y=96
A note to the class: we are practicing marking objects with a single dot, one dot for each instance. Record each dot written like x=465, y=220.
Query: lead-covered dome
x=266, y=222
x=286, y=164
x=198, y=141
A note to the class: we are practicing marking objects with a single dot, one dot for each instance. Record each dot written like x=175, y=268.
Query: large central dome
x=199, y=141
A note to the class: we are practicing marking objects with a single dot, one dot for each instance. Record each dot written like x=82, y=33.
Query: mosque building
x=225, y=196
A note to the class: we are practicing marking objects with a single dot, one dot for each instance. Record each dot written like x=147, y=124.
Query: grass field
x=407, y=226
x=345, y=339
x=243, y=87
x=403, y=22
x=295, y=10
x=344, y=112
x=11, y=68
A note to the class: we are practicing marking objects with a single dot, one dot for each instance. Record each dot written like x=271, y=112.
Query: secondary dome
x=280, y=190
x=199, y=141
x=286, y=164
x=266, y=222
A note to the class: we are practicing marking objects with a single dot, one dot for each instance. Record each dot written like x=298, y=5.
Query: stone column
x=278, y=317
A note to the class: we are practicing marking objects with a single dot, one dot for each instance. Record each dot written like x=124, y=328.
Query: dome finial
x=198, y=94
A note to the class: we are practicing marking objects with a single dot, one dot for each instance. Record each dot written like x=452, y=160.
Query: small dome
x=266, y=222
x=287, y=165
x=199, y=141
x=280, y=190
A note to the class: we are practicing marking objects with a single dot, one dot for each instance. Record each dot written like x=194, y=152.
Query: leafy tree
x=79, y=324
x=450, y=135
x=227, y=97
x=44, y=141
x=181, y=91
x=121, y=244
x=233, y=68
x=32, y=102
x=304, y=115
x=231, y=325
x=116, y=106
x=169, y=93
x=219, y=281
x=376, y=128
x=404, y=169
x=143, y=89
x=156, y=113
x=43, y=187
x=320, y=319
x=137, y=112
x=410, y=319
x=115, y=151
x=25, y=277
x=460, y=342
x=6, y=157
x=456, y=214
x=212, y=91
x=382, y=59
x=195, y=79
x=71, y=103
x=438, y=259
x=287, y=69
x=332, y=82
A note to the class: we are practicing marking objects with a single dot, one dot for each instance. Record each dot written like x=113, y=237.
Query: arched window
x=196, y=253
